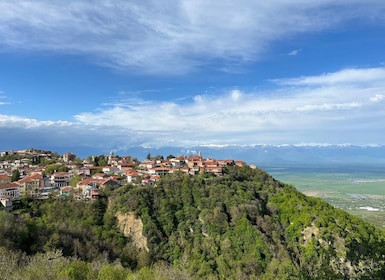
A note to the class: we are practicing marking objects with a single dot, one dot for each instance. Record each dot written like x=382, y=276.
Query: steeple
x=110, y=156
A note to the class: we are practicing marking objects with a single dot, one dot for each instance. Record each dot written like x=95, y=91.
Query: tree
x=112, y=271
x=55, y=168
x=77, y=270
x=15, y=175
x=75, y=179
x=102, y=162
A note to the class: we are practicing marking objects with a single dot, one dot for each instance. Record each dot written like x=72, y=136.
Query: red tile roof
x=4, y=177
x=9, y=186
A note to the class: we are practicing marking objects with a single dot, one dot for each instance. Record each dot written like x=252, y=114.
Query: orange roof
x=9, y=186
x=66, y=189
x=89, y=181
x=161, y=168
x=60, y=174
x=132, y=173
x=4, y=177
x=31, y=178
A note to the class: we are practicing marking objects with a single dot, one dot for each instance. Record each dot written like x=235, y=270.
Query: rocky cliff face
x=132, y=228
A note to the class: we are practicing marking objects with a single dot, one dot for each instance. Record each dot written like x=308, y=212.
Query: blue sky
x=120, y=74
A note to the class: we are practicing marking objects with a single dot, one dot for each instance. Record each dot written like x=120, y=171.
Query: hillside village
x=39, y=174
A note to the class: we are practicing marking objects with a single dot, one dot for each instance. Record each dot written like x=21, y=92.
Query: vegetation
x=50, y=169
x=355, y=189
x=243, y=225
x=15, y=175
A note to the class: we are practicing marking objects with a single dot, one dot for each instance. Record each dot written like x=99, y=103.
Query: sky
x=120, y=74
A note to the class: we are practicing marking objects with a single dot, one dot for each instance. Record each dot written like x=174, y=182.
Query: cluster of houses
x=118, y=171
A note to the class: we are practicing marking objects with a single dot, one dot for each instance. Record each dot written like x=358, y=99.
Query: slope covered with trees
x=242, y=225
x=246, y=224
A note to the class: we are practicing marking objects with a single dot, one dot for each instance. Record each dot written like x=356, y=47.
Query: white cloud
x=3, y=96
x=169, y=36
x=294, y=113
x=240, y=117
x=377, y=98
x=346, y=76
x=294, y=52
x=20, y=122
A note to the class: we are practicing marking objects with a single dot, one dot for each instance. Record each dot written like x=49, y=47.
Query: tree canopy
x=242, y=225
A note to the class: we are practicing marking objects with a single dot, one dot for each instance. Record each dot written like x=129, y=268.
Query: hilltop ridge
x=239, y=223
x=245, y=224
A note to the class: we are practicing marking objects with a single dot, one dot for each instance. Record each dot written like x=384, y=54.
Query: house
x=96, y=183
x=177, y=162
x=159, y=171
x=91, y=193
x=87, y=163
x=148, y=182
x=60, y=179
x=147, y=164
x=69, y=157
x=74, y=165
x=225, y=162
x=110, y=169
x=86, y=171
x=47, y=192
x=66, y=191
x=185, y=169
x=217, y=170
x=31, y=185
x=81, y=185
x=125, y=164
x=132, y=175
x=108, y=182
x=4, y=179
x=37, y=171
x=100, y=176
x=194, y=162
x=8, y=192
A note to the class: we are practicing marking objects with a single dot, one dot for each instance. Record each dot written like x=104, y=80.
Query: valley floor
x=359, y=190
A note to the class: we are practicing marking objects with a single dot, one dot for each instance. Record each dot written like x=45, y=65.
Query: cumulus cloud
x=168, y=36
x=294, y=112
x=340, y=107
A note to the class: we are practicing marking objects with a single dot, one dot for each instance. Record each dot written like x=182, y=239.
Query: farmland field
x=359, y=190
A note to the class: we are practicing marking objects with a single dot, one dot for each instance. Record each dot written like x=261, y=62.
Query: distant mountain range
x=261, y=155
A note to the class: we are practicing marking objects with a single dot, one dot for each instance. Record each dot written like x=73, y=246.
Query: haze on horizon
x=124, y=74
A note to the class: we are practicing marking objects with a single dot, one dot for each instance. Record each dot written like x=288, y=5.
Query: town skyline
x=42, y=174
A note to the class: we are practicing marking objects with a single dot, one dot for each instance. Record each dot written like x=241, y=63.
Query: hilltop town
x=40, y=174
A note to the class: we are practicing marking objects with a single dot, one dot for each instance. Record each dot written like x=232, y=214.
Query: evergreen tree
x=15, y=175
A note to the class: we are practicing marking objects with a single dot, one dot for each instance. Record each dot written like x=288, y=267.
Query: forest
x=242, y=225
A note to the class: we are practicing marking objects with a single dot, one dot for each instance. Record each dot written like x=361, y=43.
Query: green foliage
x=55, y=168
x=78, y=228
x=246, y=223
x=76, y=270
x=15, y=175
x=102, y=162
x=74, y=180
x=242, y=225
x=10, y=157
x=112, y=271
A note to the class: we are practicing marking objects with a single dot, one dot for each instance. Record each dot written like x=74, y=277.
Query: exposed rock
x=133, y=228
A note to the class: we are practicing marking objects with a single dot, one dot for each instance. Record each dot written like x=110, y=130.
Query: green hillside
x=242, y=225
